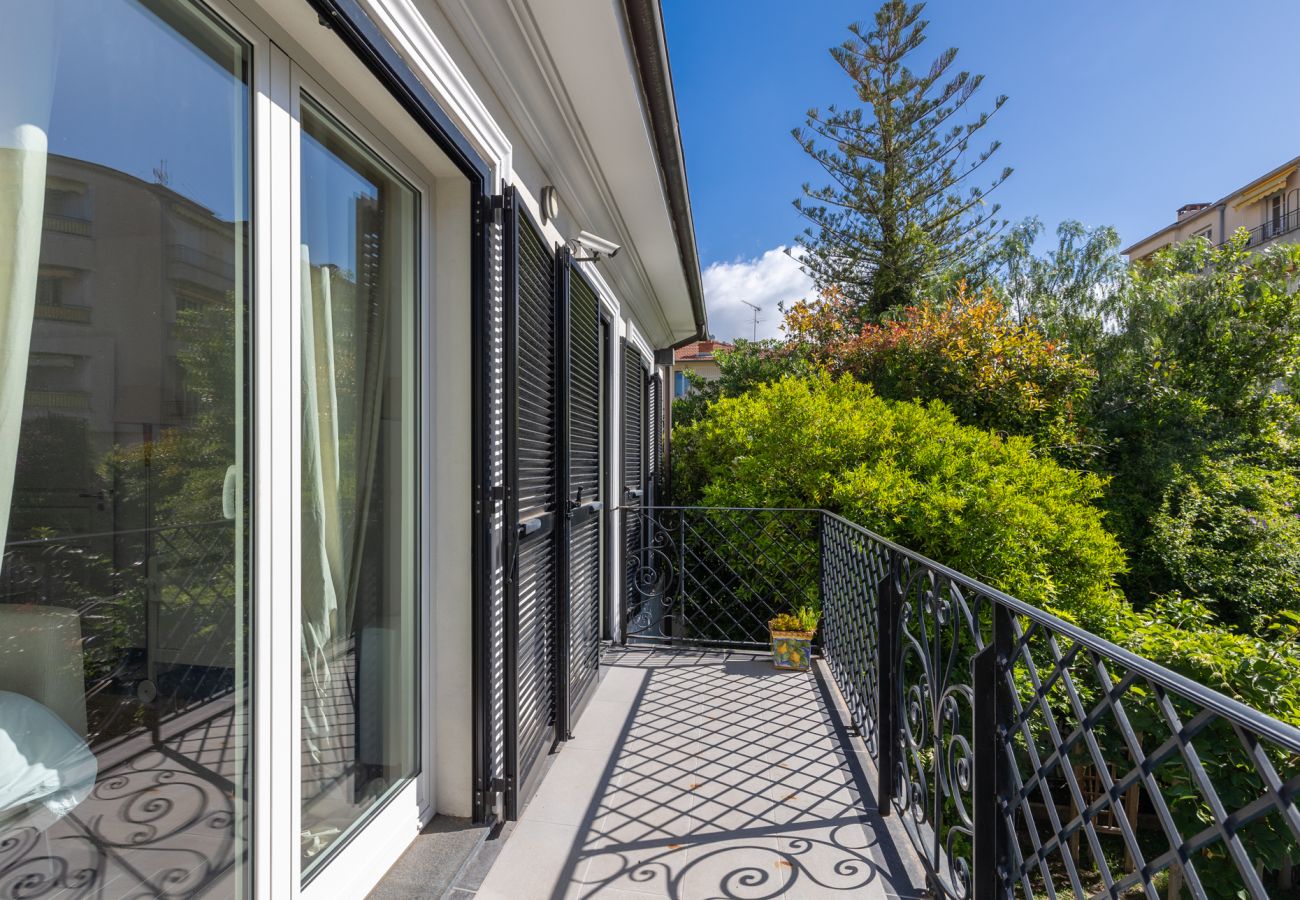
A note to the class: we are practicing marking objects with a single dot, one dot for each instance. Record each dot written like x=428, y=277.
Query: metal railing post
x=992, y=712
x=624, y=587
x=681, y=568
x=821, y=564
x=887, y=604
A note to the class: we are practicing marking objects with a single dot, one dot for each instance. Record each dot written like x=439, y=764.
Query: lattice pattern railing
x=146, y=597
x=1022, y=755
x=715, y=576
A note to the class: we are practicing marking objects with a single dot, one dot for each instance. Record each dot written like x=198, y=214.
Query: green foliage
x=1067, y=292
x=747, y=365
x=1201, y=364
x=900, y=211
x=1229, y=532
x=808, y=616
x=1181, y=633
x=982, y=504
x=990, y=369
x=804, y=619
x=1263, y=672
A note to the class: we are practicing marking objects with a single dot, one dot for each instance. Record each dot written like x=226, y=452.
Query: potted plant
x=792, y=635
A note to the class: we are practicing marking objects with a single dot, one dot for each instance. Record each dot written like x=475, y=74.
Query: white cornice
x=404, y=25
x=470, y=18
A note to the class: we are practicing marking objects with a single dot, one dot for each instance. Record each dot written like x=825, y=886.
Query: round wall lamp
x=550, y=203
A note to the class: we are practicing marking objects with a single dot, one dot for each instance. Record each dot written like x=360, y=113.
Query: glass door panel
x=359, y=232
x=125, y=146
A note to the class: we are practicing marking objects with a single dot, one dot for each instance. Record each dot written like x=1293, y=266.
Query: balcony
x=62, y=224
x=1273, y=229
x=949, y=738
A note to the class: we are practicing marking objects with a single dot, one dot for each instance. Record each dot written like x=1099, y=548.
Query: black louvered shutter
x=633, y=476
x=654, y=439
x=583, y=489
x=532, y=505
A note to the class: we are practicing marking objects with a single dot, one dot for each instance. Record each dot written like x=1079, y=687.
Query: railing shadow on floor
x=730, y=779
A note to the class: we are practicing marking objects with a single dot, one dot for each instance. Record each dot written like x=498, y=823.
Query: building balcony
x=74, y=225
x=948, y=739
x=1274, y=229
x=186, y=257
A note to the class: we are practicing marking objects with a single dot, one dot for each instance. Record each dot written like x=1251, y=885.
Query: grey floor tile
x=751, y=868
x=539, y=862
x=573, y=789
x=695, y=776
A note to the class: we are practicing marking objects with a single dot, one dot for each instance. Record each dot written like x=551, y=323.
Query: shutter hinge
x=486, y=207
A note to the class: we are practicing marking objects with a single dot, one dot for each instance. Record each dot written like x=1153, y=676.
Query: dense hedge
x=983, y=504
x=1229, y=531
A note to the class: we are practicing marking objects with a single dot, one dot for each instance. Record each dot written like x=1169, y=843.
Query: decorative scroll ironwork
x=1105, y=773
x=154, y=826
x=157, y=609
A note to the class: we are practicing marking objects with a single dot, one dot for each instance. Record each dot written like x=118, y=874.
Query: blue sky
x=1119, y=113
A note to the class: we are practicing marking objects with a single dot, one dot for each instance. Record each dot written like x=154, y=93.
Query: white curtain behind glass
x=324, y=568
x=28, y=55
x=338, y=475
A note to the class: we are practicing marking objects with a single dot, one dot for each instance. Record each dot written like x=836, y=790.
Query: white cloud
x=765, y=281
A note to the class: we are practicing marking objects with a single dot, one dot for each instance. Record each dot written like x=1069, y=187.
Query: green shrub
x=1229, y=532
x=966, y=497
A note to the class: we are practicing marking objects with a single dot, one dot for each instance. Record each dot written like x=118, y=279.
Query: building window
x=1206, y=232
x=679, y=384
x=1274, y=213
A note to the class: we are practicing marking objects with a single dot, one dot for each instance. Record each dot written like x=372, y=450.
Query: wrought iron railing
x=713, y=576
x=1023, y=755
x=157, y=610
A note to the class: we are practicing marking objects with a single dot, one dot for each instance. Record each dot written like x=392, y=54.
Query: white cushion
x=45, y=767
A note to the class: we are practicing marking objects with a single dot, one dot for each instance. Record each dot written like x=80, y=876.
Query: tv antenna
x=756, y=310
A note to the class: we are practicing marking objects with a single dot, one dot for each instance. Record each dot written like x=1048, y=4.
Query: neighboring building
x=333, y=333
x=1267, y=207
x=696, y=357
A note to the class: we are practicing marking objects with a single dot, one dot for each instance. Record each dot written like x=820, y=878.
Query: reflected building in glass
x=119, y=565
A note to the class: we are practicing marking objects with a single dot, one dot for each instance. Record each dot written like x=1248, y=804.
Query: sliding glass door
x=211, y=646
x=360, y=234
x=125, y=292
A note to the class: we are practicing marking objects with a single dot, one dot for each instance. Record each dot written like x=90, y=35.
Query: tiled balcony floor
x=704, y=775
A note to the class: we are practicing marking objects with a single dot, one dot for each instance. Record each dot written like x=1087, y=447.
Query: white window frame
x=360, y=862
x=276, y=83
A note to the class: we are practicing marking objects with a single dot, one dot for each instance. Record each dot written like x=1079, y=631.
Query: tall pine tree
x=900, y=210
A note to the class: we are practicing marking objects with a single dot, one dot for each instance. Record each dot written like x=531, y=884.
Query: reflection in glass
x=124, y=197
x=358, y=482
